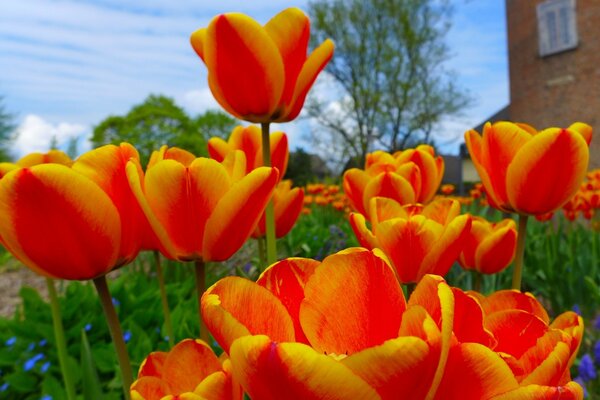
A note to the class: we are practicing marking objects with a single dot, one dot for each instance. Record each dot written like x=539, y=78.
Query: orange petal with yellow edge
x=391, y=185
x=547, y=361
x=314, y=64
x=496, y=251
x=290, y=31
x=293, y=371
x=468, y=320
x=149, y=388
x=362, y=233
x=233, y=40
x=286, y=279
x=171, y=153
x=505, y=300
x=382, y=208
x=474, y=372
x=280, y=152
x=397, y=368
x=355, y=181
x=225, y=308
x=557, y=153
x=334, y=314
x=235, y=164
x=515, y=330
x=218, y=148
x=197, y=40
x=583, y=129
x=153, y=364
x=74, y=233
x=570, y=391
x=237, y=213
x=428, y=167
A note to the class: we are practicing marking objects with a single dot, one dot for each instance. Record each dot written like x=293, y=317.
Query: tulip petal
x=280, y=152
x=292, y=371
x=396, y=369
x=428, y=167
x=149, y=388
x=468, y=320
x=334, y=314
x=583, y=129
x=218, y=148
x=558, y=153
x=235, y=39
x=362, y=233
x=225, y=308
x=515, y=330
x=290, y=31
x=153, y=365
x=546, y=362
x=187, y=364
x=474, y=143
x=287, y=211
x=571, y=391
x=198, y=40
x=74, y=233
x=505, y=300
x=286, y=279
x=355, y=181
x=391, y=185
x=496, y=251
x=237, y=213
x=314, y=64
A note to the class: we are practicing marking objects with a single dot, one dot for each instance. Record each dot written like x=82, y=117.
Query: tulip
x=304, y=330
x=489, y=247
x=51, y=157
x=288, y=203
x=418, y=240
x=530, y=172
x=172, y=153
x=408, y=177
x=260, y=73
x=248, y=139
x=189, y=370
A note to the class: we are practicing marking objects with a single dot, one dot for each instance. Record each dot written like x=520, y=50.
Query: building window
x=557, y=26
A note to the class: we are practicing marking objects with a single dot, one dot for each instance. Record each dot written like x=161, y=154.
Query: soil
x=12, y=278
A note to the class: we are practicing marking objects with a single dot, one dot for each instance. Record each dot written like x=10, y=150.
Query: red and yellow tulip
x=287, y=204
x=204, y=211
x=75, y=222
x=248, y=140
x=51, y=157
x=418, y=240
x=189, y=371
x=489, y=247
x=171, y=153
x=260, y=73
x=408, y=177
x=342, y=329
x=526, y=171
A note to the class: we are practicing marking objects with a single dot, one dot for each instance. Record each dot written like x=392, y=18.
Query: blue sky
x=66, y=65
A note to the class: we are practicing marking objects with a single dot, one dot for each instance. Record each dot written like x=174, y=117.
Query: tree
x=390, y=87
x=215, y=123
x=158, y=121
x=7, y=128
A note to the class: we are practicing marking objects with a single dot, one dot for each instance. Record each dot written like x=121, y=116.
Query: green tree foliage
x=387, y=75
x=215, y=123
x=7, y=128
x=299, y=168
x=158, y=121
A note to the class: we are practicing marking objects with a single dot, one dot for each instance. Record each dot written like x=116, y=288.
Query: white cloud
x=35, y=134
x=198, y=101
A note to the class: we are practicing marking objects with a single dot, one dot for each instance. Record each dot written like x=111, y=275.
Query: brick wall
x=559, y=89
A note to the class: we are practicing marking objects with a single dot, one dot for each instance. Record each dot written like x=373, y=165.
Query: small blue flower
x=577, y=309
x=157, y=330
x=166, y=338
x=587, y=371
x=31, y=347
x=597, y=352
x=42, y=342
x=116, y=302
x=44, y=367
x=597, y=323
x=87, y=327
x=4, y=387
x=46, y=397
x=29, y=364
x=127, y=336
x=10, y=342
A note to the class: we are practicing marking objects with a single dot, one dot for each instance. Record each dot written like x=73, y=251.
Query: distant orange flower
x=489, y=247
x=526, y=171
x=190, y=370
x=260, y=73
x=447, y=189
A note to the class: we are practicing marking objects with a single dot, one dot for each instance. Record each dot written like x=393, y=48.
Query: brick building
x=554, y=64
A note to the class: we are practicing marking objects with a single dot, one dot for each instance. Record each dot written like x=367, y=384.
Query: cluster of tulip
x=341, y=328
x=326, y=195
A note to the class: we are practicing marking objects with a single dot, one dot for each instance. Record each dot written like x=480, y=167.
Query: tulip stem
x=477, y=281
x=519, y=256
x=59, y=337
x=269, y=213
x=201, y=288
x=115, y=332
x=164, y=299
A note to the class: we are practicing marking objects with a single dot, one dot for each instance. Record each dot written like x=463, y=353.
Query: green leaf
x=21, y=382
x=91, y=383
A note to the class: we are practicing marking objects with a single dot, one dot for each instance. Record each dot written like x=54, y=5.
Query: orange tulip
x=205, y=211
x=248, y=139
x=489, y=247
x=418, y=240
x=409, y=176
x=305, y=331
x=287, y=203
x=171, y=153
x=190, y=370
x=530, y=172
x=73, y=223
x=260, y=73
x=51, y=157
x=447, y=189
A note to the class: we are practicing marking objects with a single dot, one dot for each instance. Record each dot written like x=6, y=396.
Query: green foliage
x=299, y=168
x=158, y=121
x=388, y=73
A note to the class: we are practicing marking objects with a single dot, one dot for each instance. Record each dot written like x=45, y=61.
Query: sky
x=65, y=65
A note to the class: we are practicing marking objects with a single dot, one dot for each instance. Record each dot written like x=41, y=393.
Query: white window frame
x=557, y=26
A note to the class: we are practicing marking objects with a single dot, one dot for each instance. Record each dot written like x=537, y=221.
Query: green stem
x=520, y=253
x=269, y=213
x=115, y=332
x=165, y=300
x=477, y=278
x=200, y=272
x=59, y=337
